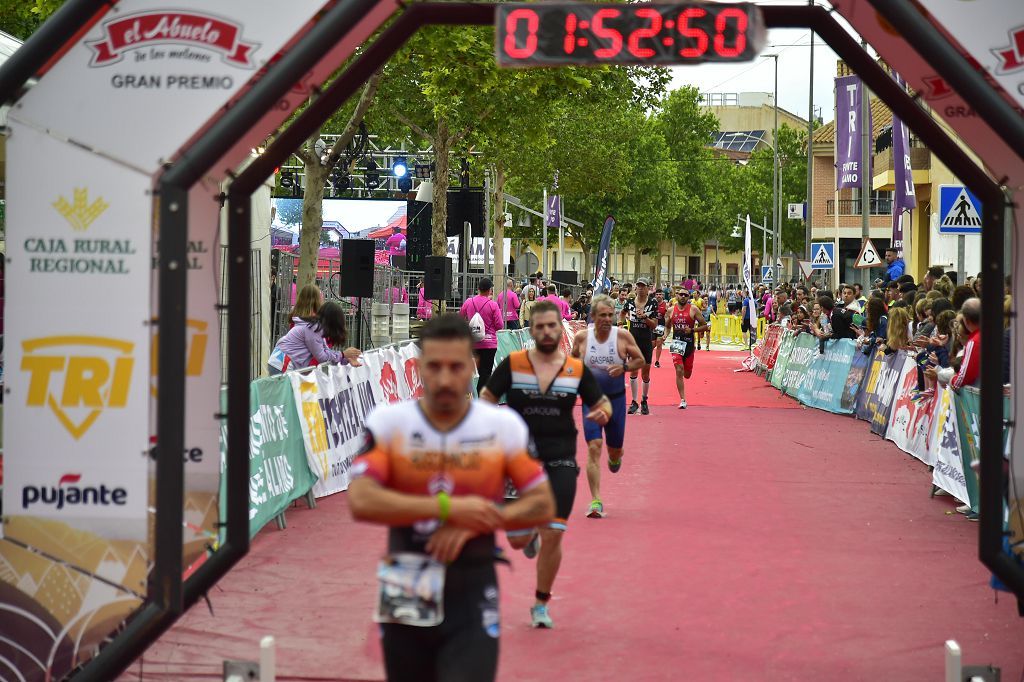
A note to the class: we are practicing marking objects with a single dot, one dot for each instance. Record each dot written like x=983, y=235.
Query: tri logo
x=78, y=377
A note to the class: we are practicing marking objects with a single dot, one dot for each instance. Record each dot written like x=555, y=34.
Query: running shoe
x=531, y=549
x=973, y=516
x=657, y=364
x=708, y=349
x=539, y=616
x=963, y=509
x=682, y=404
x=614, y=465
x=596, y=509
x=633, y=407
x=698, y=346
x=643, y=407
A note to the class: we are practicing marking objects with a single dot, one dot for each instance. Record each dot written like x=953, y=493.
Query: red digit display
x=721, y=22
x=559, y=32
x=699, y=36
x=569, y=43
x=598, y=29
x=644, y=33
x=512, y=23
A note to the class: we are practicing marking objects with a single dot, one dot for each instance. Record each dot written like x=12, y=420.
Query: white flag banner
x=747, y=280
x=948, y=473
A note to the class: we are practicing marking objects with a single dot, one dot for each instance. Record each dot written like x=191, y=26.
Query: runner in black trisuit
x=542, y=385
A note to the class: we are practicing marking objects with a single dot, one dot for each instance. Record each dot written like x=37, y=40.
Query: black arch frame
x=169, y=596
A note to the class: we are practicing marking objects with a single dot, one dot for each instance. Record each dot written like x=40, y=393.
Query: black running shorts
x=464, y=648
x=562, y=478
x=646, y=346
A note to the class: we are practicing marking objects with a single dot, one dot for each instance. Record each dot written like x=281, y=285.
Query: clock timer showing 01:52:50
x=555, y=34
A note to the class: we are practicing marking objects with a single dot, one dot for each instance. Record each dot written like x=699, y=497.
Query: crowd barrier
x=727, y=329
x=941, y=431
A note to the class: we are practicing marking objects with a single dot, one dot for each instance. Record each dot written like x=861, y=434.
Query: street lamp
x=776, y=176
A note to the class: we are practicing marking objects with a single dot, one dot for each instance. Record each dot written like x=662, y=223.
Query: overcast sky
x=793, y=48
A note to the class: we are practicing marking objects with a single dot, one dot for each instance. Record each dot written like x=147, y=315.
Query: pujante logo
x=190, y=29
x=1012, y=56
x=79, y=213
x=68, y=493
x=77, y=377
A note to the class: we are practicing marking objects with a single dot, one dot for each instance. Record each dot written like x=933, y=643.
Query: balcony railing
x=853, y=207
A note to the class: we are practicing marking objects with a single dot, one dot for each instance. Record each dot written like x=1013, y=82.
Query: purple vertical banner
x=553, y=211
x=848, y=130
x=904, y=198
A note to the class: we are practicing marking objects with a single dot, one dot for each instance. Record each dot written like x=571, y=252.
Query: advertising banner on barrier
x=386, y=367
x=409, y=353
x=826, y=377
x=805, y=349
x=782, y=359
x=910, y=420
x=885, y=391
x=854, y=379
x=770, y=350
x=944, y=443
x=332, y=404
x=968, y=408
x=278, y=471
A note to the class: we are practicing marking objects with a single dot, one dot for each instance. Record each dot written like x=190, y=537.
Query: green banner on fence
x=278, y=472
x=805, y=349
x=782, y=361
x=826, y=377
x=968, y=411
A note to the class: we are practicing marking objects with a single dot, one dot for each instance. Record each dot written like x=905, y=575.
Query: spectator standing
x=530, y=300
x=970, y=364
x=484, y=349
x=509, y=303
x=424, y=307
x=305, y=344
x=895, y=267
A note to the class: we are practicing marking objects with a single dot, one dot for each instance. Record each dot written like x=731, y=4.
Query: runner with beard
x=686, y=323
x=642, y=313
x=542, y=384
x=609, y=352
x=433, y=470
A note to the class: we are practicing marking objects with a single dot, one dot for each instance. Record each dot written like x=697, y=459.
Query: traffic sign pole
x=960, y=257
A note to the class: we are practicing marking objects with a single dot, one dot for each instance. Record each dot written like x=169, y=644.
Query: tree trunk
x=312, y=218
x=636, y=262
x=442, y=146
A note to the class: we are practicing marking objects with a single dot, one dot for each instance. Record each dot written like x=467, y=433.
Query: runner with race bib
x=686, y=322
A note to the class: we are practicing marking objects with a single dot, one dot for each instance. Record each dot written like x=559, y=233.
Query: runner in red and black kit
x=659, y=331
x=685, y=322
x=542, y=385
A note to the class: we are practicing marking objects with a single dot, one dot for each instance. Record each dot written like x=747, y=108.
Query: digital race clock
x=553, y=34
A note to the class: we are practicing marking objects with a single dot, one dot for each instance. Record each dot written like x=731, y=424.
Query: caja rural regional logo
x=189, y=29
x=79, y=213
x=77, y=377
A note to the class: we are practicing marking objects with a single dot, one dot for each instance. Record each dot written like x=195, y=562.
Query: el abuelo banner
x=165, y=69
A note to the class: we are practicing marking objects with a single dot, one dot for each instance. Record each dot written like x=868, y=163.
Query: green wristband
x=444, y=506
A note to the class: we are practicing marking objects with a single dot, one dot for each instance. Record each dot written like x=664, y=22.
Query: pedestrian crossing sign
x=959, y=210
x=823, y=255
x=766, y=274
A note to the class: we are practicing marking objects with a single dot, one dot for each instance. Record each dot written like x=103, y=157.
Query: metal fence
x=256, y=284
x=390, y=286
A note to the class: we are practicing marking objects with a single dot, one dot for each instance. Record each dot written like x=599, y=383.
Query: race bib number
x=411, y=590
x=678, y=347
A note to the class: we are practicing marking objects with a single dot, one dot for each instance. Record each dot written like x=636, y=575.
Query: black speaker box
x=565, y=276
x=465, y=206
x=356, y=268
x=437, y=278
x=417, y=239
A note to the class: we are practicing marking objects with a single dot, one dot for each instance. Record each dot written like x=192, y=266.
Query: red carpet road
x=741, y=544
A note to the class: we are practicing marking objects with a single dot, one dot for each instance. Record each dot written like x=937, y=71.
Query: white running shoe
x=682, y=404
